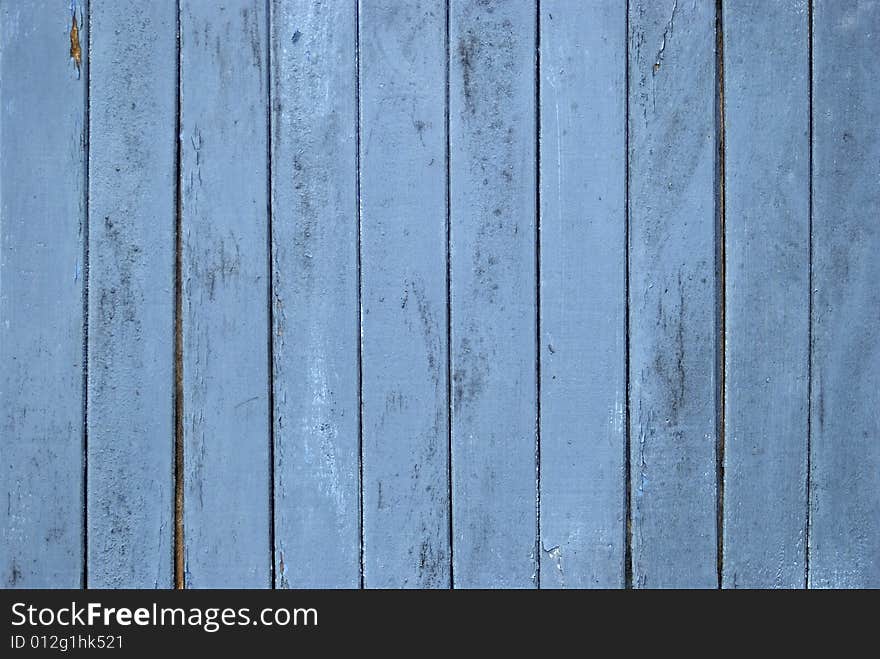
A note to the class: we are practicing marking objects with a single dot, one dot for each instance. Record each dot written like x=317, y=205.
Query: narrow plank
x=845, y=430
x=403, y=255
x=225, y=275
x=133, y=136
x=315, y=305
x=583, y=379
x=672, y=293
x=42, y=274
x=493, y=288
x=767, y=191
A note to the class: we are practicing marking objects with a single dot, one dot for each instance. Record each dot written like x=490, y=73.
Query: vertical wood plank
x=403, y=255
x=225, y=275
x=315, y=305
x=42, y=274
x=133, y=137
x=845, y=431
x=493, y=283
x=767, y=190
x=583, y=222
x=672, y=293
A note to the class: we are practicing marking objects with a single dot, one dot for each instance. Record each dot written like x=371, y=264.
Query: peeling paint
x=667, y=34
x=75, y=49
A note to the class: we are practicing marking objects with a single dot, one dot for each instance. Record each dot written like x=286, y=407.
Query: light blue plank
x=42, y=274
x=583, y=243
x=225, y=274
x=403, y=254
x=493, y=306
x=133, y=139
x=767, y=190
x=845, y=430
x=672, y=297
x=315, y=305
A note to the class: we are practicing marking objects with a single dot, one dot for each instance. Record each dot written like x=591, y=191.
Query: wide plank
x=673, y=319
x=224, y=98
x=492, y=133
x=131, y=310
x=315, y=305
x=42, y=279
x=583, y=297
x=845, y=384
x=766, y=193
x=403, y=292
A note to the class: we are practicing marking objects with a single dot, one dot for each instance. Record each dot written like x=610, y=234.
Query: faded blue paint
x=672, y=296
x=225, y=275
x=315, y=304
x=844, y=420
x=403, y=265
x=492, y=126
x=401, y=273
x=132, y=146
x=583, y=299
x=42, y=228
x=767, y=192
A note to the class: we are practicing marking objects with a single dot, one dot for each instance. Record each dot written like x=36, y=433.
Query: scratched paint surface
x=225, y=292
x=445, y=293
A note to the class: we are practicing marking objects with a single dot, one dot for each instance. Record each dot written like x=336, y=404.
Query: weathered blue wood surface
x=225, y=284
x=766, y=200
x=583, y=257
x=315, y=307
x=42, y=274
x=299, y=293
x=845, y=431
x=492, y=132
x=672, y=296
x=403, y=267
x=132, y=146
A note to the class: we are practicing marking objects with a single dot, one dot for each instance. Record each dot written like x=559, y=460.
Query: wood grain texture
x=315, y=306
x=42, y=274
x=845, y=431
x=374, y=264
x=672, y=293
x=225, y=275
x=583, y=243
x=493, y=303
x=767, y=192
x=132, y=212
x=403, y=256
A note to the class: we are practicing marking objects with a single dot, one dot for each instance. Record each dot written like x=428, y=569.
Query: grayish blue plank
x=42, y=227
x=225, y=274
x=672, y=293
x=403, y=255
x=845, y=430
x=315, y=305
x=583, y=219
x=767, y=190
x=131, y=294
x=493, y=305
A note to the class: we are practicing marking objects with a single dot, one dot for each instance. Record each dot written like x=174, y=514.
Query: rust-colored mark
x=75, y=49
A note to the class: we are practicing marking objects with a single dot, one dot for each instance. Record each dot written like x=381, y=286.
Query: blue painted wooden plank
x=845, y=430
x=225, y=274
x=42, y=274
x=767, y=190
x=315, y=288
x=493, y=292
x=583, y=243
x=672, y=297
x=403, y=255
x=132, y=138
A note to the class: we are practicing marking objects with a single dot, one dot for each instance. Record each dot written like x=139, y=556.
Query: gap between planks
x=720, y=255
